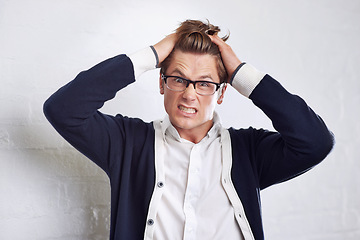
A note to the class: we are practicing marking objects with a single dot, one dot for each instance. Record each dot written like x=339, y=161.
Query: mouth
x=187, y=109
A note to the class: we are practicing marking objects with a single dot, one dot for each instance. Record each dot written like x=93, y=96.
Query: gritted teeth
x=187, y=110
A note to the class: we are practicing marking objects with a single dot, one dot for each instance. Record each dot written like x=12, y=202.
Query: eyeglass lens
x=201, y=87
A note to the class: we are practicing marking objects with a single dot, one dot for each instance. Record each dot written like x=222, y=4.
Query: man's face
x=189, y=112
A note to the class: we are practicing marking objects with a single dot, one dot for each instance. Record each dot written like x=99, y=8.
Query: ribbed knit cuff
x=246, y=79
x=144, y=60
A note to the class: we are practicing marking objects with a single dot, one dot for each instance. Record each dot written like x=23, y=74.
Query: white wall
x=49, y=191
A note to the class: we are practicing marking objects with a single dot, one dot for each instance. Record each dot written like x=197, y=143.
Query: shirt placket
x=192, y=193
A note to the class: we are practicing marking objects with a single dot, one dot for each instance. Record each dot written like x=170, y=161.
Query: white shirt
x=194, y=204
x=192, y=198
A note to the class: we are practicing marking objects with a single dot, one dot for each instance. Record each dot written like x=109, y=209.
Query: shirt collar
x=168, y=129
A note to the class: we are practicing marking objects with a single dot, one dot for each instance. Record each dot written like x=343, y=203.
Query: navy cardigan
x=124, y=147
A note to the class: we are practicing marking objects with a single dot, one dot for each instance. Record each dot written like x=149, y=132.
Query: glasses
x=179, y=84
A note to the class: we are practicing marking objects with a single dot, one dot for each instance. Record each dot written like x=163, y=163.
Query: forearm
x=303, y=131
x=303, y=138
x=72, y=110
x=285, y=110
x=82, y=97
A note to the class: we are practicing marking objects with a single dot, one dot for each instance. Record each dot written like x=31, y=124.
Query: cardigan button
x=160, y=184
x=150, y=222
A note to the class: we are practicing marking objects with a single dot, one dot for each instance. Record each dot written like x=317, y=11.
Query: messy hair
x=192, y=37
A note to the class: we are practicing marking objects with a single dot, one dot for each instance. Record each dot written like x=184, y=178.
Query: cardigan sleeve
x=73, y=109
x=302, y=139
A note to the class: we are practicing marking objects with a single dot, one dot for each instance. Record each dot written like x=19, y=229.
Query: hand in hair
x=229, y=58
x=165, y=46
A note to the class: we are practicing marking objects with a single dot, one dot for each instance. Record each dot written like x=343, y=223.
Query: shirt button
x=150, y=222
x=160, y=184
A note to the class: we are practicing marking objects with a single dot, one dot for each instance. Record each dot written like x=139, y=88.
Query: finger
x=216, y=39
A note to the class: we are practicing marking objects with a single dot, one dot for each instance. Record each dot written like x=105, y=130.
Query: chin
x=184, y=125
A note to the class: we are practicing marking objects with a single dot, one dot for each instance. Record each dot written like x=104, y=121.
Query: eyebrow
x=178, y=71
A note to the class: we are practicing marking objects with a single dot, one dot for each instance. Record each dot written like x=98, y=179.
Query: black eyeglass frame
x=164, y=77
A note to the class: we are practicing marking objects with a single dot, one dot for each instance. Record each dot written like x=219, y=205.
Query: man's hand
x=229, y=58
x=165, y=46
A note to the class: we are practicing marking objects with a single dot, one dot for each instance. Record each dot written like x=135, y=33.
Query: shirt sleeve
x=144, y=60
x=246, y=78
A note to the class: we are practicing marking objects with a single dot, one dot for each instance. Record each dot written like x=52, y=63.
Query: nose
x=190, y=93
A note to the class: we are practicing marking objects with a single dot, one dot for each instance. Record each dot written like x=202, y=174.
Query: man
x=186, y=177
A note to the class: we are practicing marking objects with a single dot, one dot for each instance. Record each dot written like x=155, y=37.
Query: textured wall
x=49, y=191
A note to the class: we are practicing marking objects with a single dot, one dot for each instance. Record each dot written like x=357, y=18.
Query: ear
x=221, y=93
x=161, y=85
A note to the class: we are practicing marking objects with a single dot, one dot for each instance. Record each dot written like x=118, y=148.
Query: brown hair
x=192, y=36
